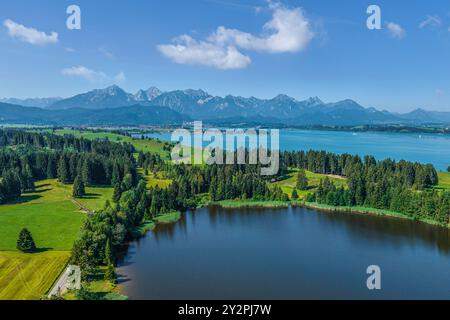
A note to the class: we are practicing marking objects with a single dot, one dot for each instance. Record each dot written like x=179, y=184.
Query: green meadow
x=155, y=179
x=444, y=180
x=288, y=182
x=54, y=220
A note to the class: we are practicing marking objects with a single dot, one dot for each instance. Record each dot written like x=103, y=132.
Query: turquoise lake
x=424, y=148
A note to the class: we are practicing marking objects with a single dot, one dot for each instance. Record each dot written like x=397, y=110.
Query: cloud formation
x=187, y=50
x=396, y=30
x=288, y=31
x=29, y=35
x=431, y=21
x=92, y=75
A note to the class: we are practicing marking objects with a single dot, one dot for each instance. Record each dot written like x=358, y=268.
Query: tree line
x=404, y=187
x=407, y=174
x=26, y=157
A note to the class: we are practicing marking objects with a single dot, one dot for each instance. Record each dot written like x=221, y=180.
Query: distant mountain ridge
x=111, y=97
x=32, y=102
x=129, y=115
x=200, y=105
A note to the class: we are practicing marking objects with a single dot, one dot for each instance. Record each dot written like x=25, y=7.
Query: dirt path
x=82, y=207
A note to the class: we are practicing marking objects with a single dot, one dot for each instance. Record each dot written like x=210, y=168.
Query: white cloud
x=431, y=21
x=396, y=30
x=29, y=35
x=288, y=31
x=106, y=53
x=68, y=49
x=92, y=75
x=186, y=50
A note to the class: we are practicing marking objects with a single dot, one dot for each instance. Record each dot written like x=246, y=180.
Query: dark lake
x=293, y=253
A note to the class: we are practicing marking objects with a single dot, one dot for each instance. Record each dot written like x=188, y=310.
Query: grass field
x=29, y=276
x=289, y=182
x=153, y=180
x=48, y=213
x=444, y=180
x=95, y=197
x=53, y=219
x=153, y=146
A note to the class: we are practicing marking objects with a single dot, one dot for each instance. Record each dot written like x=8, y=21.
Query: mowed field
x=29, y=277
x=290, y=181
x=54, y=221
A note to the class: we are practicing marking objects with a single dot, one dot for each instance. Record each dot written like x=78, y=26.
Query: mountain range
x=114, y=106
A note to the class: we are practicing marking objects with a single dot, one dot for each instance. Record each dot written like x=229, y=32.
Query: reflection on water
x=293, y=253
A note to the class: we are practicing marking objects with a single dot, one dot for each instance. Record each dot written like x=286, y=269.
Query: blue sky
x=325, y=49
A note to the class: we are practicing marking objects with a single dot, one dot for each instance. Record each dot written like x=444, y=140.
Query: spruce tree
x=62, y=170
x=78, y=188
x=294, y=195
x=153, y=208
x=110, y=273
x=51, y=170
x=117, y=192
x=25, y=243
x=109, y=256
x=302, y=180
x=127, y=182
x=115, y=176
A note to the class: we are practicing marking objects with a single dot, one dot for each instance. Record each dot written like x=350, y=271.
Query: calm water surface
x=293, y=253
x=425, y=148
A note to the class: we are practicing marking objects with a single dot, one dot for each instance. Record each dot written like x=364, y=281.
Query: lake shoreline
x=150, y=225
x=174, y=217
x=237, y=204
x=370, y=211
